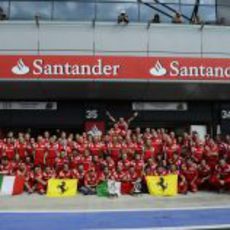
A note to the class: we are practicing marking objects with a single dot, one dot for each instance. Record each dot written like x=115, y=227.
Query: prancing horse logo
x=162, y=184
x=62, y=187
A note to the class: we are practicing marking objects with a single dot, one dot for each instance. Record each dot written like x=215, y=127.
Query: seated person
x=123, y=18
x=2, y=14
x=156, y=19
x=177, y=19
x=90, y=183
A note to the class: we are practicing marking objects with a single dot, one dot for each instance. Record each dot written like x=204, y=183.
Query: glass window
x=187, y=10
x=164, y=1
x=110, y=11
x=210, y=2
x=188, y=2
x=207, y=13
x=73, y=11
x=27, y=10
x=202, y=2
x=113, y=1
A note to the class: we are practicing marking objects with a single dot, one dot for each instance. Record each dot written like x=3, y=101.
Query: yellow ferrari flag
x=62, y=187
x=162, y=185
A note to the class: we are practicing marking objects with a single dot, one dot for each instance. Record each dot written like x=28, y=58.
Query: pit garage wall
x=71, y=115
x=70, y=38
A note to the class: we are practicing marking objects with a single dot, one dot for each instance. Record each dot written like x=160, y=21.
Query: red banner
x=113, y=67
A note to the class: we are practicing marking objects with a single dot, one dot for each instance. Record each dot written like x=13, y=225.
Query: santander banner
x=114, y=67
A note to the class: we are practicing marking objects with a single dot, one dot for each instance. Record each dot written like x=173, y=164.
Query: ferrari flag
x=62, y=187
x=162, y=185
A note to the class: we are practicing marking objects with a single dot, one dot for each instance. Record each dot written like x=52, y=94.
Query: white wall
x=16, y=37
x=76, y=38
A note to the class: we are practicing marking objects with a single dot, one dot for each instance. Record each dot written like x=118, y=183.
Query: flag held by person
x=102, y=189
x=62, y=187
x=162, y=185
x=11, y=185
x=109, y=188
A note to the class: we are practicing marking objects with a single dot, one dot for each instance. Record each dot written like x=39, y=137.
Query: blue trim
x=103, y=220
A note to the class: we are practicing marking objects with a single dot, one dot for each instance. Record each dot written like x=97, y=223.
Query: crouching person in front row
x=90, y=183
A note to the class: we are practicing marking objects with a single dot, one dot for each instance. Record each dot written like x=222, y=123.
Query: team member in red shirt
x=6, y=167
x=139, y=147
x=124, y=163
x=29, y=163
x=1, y=148
x=122, y=124
x=21, y=170
x=176, y=160
x=197, y=151
x=171, y=148
x=80, y=175
x=204, y=173
x=48, y=174
x=138, y=164
x=108, y=162
x=79, y=145
x=87, y=160
x=191, y=175
x=30, y=184
x=105, y=175
x=211, y=154
x=182, y=182
x=160, y=170
x=46, y=138
x=21, y=148
x=156, y=142
x=9, y=149
x=65, y=173
x=40, y=183
x=120, y=174
x=131, y=147
x=63, y=146
x=114, y=149
x=152, y=165
x=95, y=147
x=52, y=152
x=40, y=151
x=90, y=183
x=148, y=151
x=221, y=177
x=147, y=134
x=60, y=161
x=75, y=159
x=15, y=163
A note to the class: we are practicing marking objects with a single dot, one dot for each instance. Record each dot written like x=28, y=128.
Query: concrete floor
x=86, y=203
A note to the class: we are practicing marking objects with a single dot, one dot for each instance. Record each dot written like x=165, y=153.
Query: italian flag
x=11, y=185
x=109, y=188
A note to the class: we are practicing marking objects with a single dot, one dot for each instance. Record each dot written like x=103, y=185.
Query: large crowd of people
x=121, y=154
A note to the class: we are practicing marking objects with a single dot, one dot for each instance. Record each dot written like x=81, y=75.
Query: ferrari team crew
x=122, y=155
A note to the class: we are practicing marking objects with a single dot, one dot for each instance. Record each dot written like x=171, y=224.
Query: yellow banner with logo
x=162, y=185
x=62, y=187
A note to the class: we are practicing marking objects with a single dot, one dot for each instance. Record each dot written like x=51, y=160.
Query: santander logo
x=158, y=70
x=20, y=68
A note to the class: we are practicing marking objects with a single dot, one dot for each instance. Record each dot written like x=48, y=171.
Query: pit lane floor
x=36, y=202
x=202, y=210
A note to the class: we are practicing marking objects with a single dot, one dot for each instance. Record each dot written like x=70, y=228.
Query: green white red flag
x=11, y=185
